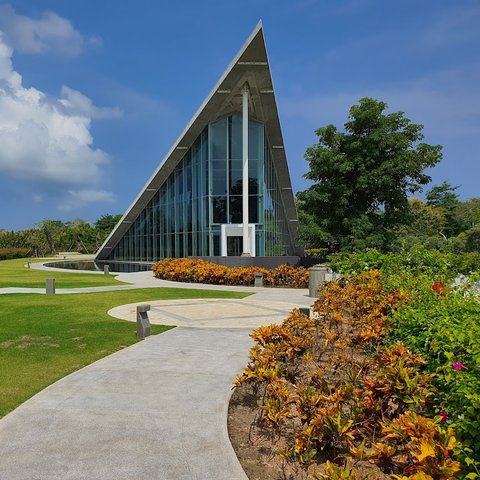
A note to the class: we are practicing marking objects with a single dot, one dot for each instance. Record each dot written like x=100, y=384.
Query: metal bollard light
x=143, y=323
x=50, y=286
x=258, y=279
x=106, y=269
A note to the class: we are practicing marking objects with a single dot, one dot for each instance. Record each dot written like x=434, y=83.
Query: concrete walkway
x=155, y=410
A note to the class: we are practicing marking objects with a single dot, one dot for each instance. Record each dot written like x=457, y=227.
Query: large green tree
x=443, y=197
x=362, y=176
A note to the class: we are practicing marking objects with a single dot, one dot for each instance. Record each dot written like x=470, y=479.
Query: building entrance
x=234, y=246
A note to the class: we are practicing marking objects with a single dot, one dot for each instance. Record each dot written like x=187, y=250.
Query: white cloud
x=49, y=33
x=46, y=140
x=80, y=198
x=76, y=103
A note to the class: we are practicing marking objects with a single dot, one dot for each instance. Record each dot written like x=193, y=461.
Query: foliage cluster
x=10, y=253
x=362, y=178
x=442, y=222
x=52, y=236
x=334, y=387
x=441, y=323
x=201, y=271
x=417, y=260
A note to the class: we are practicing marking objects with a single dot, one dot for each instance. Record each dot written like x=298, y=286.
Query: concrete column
x=246, y=243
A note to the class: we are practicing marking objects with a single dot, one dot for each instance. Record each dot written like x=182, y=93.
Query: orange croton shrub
x=201, y=271
x=332, y=390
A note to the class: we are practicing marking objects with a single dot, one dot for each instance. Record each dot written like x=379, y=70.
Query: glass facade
x=204, y=191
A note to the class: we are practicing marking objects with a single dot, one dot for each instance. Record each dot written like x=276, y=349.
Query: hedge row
x=201, y=271
x=9, y=253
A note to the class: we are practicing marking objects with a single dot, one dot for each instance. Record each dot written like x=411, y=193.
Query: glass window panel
x=219, y=206
x=236, y=182
x=235, y=137
x=189, y=247
x=216, y=243
x=219, y=182
x=253, y=209
x=255, y=140
x=218, y=139
x=236, y=209
x=179, y=252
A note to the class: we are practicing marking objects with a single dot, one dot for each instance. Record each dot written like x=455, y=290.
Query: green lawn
x=43, y=338
x=14, y=274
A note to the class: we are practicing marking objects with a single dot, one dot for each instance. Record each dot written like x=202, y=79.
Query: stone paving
x=155, y=410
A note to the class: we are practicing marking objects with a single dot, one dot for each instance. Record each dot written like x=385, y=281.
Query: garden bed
x=200, y=271
x=372, y=389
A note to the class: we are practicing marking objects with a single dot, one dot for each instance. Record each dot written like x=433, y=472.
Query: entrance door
x=234, y=246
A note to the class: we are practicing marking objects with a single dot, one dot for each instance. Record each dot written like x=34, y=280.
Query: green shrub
x=9, y=253
x=417, y=260
x=442, y=324
x=445, y=330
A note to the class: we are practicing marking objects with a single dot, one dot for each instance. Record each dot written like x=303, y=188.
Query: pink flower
x=457, y=366
x=444, y=416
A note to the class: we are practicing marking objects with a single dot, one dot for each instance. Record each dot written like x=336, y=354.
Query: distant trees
x=443, y=221
x=51, y=236
x=362, y=178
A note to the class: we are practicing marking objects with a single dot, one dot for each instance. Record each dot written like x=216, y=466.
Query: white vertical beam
x=246, y=243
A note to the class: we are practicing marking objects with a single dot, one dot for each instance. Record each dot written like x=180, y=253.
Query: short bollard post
x=50, y=286
x=143, y=323
x=106, y=269
x=258, y=279
x=317, y=276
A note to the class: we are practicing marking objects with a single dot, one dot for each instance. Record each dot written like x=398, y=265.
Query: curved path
x=155, y=410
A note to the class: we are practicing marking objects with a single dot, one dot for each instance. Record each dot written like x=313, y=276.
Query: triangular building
x=195, y=203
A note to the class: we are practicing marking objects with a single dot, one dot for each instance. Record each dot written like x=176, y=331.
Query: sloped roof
x=250, y=66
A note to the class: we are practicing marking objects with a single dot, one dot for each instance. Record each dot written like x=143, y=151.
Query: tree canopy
x=362, y=176
x=51, y=236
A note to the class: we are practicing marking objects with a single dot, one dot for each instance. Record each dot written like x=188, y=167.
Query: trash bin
x=317, y=276
x=258, y=279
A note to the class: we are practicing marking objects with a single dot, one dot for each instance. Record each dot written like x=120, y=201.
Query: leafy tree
x=103, y=226
x=444, y=197
x=80, y=236
x=472, y=239
x=363, y=176
x=425, y=227
x=468, y=213
x=54, y=232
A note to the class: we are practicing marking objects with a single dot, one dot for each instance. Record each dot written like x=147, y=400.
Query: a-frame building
x=195, y=203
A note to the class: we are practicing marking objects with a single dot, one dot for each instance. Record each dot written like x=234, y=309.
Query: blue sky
x=93, y=94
